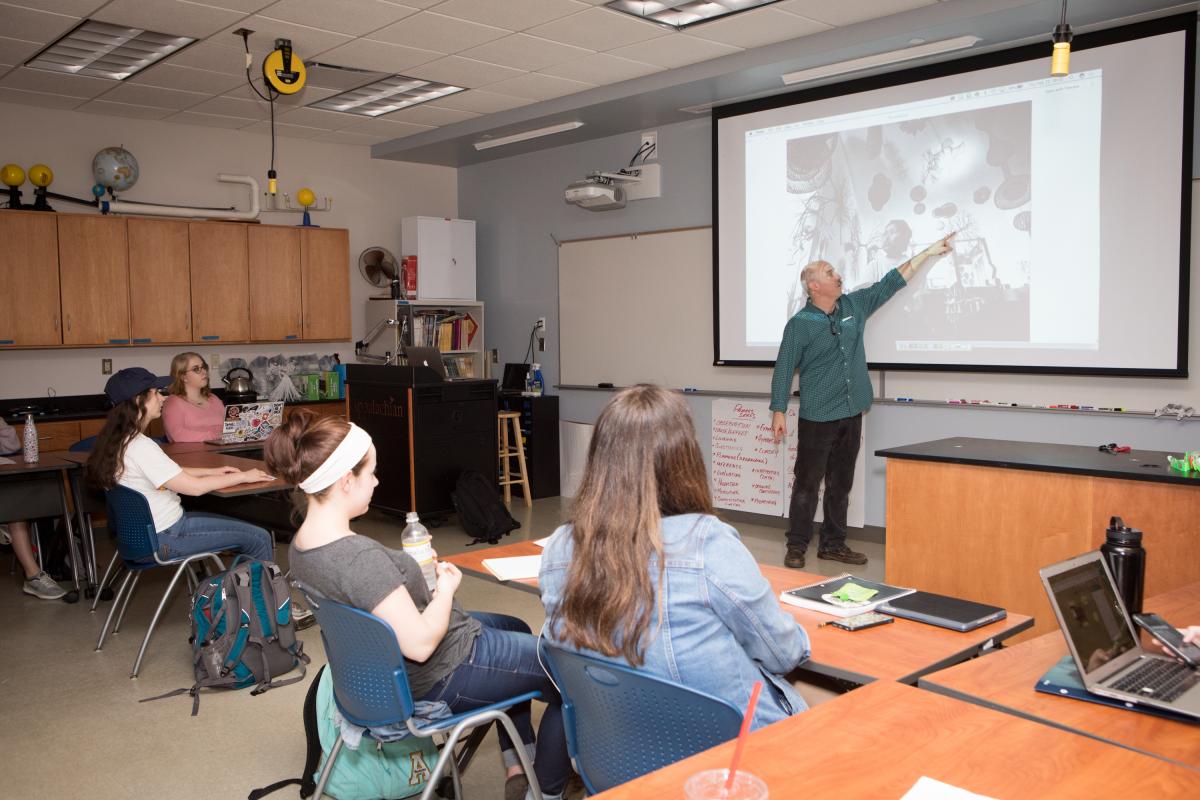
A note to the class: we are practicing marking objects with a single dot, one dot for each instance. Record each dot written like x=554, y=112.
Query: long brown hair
x=107, y=461
x=302, y=443
x=644, y=463
x=179, y=367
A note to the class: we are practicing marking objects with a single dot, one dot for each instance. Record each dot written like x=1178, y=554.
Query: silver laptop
x=249, y=422
x=1104, y=642
x=426, y=357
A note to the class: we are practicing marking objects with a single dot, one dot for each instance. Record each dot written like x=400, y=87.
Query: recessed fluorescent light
x=524, y=135
x=101, y=50
x=385, y=96
x=880, y=59
x=679, y=15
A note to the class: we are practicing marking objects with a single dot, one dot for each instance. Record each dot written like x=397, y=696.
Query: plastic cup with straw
x=730, y=784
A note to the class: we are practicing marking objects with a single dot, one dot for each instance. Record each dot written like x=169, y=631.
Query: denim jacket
x=723, y=628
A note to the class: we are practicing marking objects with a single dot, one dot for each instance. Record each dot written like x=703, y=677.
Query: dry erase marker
x=904, y=399
x=690, y=389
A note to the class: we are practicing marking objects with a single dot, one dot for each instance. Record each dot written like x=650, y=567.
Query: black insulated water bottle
x=1126, y=559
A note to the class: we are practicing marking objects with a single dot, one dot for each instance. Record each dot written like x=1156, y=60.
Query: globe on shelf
x=40, y=175
x=306, y=197
x=12, y=175
x=115, y=169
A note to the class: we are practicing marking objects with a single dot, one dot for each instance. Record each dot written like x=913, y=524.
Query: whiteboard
x=639, y=309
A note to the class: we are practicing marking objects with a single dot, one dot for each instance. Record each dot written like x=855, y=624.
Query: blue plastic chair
x=622, y=723
x=137, y=548
x=370, y=688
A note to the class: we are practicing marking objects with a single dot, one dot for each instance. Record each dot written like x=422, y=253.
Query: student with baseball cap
x=125, y=455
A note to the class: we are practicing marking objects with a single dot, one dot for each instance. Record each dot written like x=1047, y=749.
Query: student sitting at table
x=645, y=575
x=125, y=455
x=192, y=413
x=37, y=582
x=467, y=661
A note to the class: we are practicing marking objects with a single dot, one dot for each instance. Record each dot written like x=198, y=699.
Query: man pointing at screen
x=824, y=343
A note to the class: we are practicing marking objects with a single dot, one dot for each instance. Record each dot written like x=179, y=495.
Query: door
x=220, y=282
x=275, y=312
x=93, y=264
x=29, y=300
x=160, y=284
x=462, y=258
x=325, y=266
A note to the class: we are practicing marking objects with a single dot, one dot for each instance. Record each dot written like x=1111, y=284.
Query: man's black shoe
x=794, y=558
x=843, y=554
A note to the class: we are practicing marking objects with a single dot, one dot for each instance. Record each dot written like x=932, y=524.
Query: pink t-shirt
x=185, y=422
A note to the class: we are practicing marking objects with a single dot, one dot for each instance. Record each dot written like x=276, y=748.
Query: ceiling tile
x=600, y=29
x=226, y=106
x=16, y=51
x=38, y=80
x=175, y=17
x=425, y=114
x=438, y=32
x=355, y=17
x=169, y=76
x=245, y=6
x=72, y=8
x=142, y=95
x=514, y=15
x=386, y=127
x=479, y=102
x=522, y=51
x=283, y=102
x=848, y=12
x=758, y=27
x=675, y=50
x=209, y=120
x=306, y=41
x=124, y=110
x=317, y=118
x=33, y=25
x=39, y=99
x=459, y=71
x=601, y=68
x=342, y=137
x=228, y=58
x=284, y=129
x=380, y=56
x=536, y=86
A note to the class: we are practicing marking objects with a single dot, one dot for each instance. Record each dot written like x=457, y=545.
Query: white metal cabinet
x=445, y=251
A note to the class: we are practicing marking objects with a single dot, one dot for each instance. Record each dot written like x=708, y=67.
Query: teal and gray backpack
x=242, y=631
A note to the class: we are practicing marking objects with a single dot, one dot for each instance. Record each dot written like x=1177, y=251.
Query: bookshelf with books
x=455, y=327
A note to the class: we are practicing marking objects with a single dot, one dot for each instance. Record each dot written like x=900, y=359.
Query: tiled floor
x=73, y=726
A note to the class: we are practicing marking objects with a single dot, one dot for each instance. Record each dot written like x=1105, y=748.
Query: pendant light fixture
x=1060, y=58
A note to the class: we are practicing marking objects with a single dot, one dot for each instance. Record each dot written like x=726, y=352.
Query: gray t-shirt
x=360, y=572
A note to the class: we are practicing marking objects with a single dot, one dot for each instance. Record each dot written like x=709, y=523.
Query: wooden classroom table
x=901, y=651
x=877, y=741
x=977, y=518
x=208, y=458
x=30, y=491
x=1005, y=681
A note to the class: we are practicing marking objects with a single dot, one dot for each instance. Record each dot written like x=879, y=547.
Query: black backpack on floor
x=483, y=514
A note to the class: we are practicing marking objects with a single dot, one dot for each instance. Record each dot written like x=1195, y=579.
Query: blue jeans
x=196, y=532
x=503, y=663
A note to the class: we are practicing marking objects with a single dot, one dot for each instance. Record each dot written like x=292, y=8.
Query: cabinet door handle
x=68, y=322
x=55, y=322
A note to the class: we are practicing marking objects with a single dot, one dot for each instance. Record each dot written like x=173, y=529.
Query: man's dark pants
x=827, y=450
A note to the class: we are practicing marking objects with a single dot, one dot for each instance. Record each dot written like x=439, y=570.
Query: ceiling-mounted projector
x=595, y=194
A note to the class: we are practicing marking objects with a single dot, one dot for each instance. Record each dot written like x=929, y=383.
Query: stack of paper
x=514, y=568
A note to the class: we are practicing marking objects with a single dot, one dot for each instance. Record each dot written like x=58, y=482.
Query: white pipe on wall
x=120, y=207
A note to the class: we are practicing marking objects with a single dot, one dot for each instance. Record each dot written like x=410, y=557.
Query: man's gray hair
x=811, y=273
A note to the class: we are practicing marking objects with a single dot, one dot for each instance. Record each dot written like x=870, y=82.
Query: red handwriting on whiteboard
x=743, y=412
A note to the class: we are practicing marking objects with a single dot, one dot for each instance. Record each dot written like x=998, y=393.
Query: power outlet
x=649, y=142
x=541, y=323
x=495, y=355
x=106, y=366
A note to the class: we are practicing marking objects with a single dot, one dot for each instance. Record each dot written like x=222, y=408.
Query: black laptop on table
x=1104, y=642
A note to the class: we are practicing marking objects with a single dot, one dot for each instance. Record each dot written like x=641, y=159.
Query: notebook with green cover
x=822, y=596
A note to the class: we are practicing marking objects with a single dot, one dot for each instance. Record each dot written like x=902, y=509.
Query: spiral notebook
x=818, y=596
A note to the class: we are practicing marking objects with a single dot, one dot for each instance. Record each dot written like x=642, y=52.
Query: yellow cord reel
x=283, y=70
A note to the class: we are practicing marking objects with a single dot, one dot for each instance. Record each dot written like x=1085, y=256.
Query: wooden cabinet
x=325, y=273
x=320, y=409
x=275, y=312
x=29, y=295
x=220, y=282
x=160, y=296
x=93, y=267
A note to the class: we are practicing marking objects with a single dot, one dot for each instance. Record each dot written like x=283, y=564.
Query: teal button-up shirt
x=828, y=352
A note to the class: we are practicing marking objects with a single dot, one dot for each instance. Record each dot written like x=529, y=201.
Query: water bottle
x=1126, y=559
x=537, y=386
x=419, y=544
x=30, y=442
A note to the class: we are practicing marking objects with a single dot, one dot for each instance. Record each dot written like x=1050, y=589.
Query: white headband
x=343, y=459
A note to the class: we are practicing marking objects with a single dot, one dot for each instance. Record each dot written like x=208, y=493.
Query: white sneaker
x=44, y=587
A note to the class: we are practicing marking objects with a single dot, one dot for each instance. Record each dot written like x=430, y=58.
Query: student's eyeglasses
x=199, y=369
x=163, y=392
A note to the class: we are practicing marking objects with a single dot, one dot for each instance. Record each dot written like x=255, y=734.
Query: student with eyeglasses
x=192, y=413
x=823, y=342
x=125, y=455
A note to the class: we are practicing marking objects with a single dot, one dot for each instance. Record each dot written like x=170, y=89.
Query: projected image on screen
x=874, y=197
